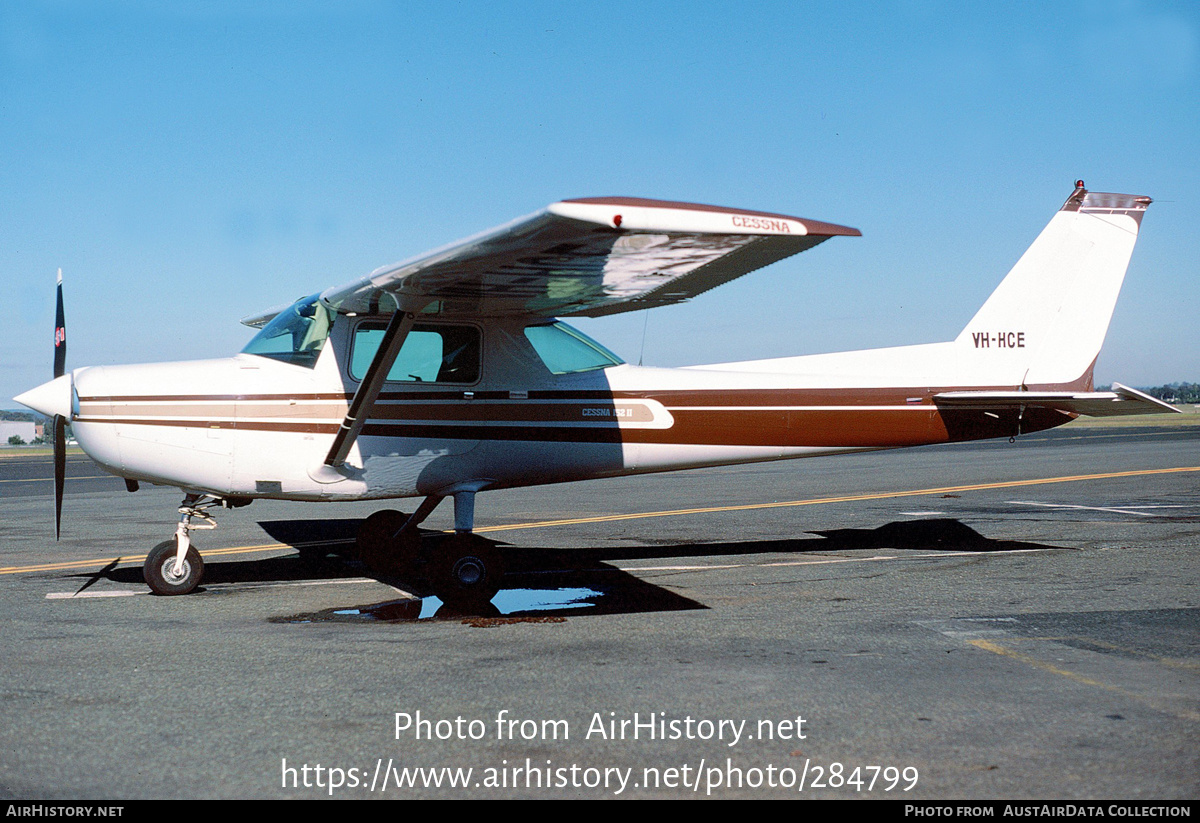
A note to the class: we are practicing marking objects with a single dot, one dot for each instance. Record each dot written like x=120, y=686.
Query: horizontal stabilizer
x=1120, y=401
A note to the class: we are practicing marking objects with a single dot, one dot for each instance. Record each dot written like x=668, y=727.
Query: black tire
x=158, y=570
x=375, y=532
x=466, y=570
x=384, y=553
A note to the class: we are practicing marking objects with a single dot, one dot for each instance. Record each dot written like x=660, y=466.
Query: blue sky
x=188, y=164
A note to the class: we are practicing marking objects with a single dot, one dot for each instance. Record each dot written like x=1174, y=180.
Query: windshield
x=295, y=335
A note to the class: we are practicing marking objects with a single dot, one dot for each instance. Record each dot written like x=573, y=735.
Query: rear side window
x=566, y=350
x=430, y=354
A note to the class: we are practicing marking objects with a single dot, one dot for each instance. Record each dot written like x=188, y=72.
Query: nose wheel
x=164, y=575
x=174, y=566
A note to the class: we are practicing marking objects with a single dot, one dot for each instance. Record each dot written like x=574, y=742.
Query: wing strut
x=360, y=407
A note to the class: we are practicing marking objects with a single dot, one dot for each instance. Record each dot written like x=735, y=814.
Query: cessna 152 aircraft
x=449, y=374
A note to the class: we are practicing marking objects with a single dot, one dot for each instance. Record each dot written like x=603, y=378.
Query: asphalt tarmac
x=987, y=621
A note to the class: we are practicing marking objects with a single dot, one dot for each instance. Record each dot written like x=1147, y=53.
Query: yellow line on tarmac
x=609, y=518
x=137, y=558
x=51, y=479
x=996, y=648
x=847, y=499
x=1091, y=641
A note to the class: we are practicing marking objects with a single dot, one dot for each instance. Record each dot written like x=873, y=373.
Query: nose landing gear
x=174, y=566
x=463, y=570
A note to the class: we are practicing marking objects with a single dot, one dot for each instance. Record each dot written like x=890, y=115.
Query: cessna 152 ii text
x=449, y=374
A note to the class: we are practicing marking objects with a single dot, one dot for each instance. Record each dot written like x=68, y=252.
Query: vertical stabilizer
x=1045, y=322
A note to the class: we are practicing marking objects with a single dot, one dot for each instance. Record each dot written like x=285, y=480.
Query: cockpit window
x=296, y=335
x=565, y=350
x=430, y=354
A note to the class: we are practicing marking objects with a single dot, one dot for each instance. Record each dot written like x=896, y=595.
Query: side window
x=430, y=354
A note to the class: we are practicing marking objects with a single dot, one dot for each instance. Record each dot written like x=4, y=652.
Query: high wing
x=591, y=257
x=1121, y=400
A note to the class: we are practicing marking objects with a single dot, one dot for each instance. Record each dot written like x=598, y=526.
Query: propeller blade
x=60, y=333
x=60, y=422
x=60, y=468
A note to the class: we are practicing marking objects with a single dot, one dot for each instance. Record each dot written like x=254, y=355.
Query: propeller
x=60, y=422
x=56, y=399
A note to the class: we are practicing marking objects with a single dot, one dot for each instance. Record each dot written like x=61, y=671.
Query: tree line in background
x=23, y=417
x=1171, y=392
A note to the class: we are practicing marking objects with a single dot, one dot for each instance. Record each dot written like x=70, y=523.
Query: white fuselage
x=250, y=426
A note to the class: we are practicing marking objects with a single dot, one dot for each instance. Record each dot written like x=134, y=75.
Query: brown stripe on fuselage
x=459, y=410
x=764, y=398
x=867, y=417
x=215, y=411
x=242, y=425
x=859, y=428
x=215, y=398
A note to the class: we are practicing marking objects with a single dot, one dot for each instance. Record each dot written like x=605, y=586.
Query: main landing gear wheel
x=466, y=570
x=381, y=549
x=163, y=577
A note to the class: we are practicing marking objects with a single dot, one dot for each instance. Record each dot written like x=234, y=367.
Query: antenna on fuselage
x=645, y=323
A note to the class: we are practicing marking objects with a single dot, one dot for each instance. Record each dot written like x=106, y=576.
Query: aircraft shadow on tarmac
x=938, y=534
x=546, y=583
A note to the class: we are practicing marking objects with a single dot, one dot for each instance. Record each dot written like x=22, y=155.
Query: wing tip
x=812, y=227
